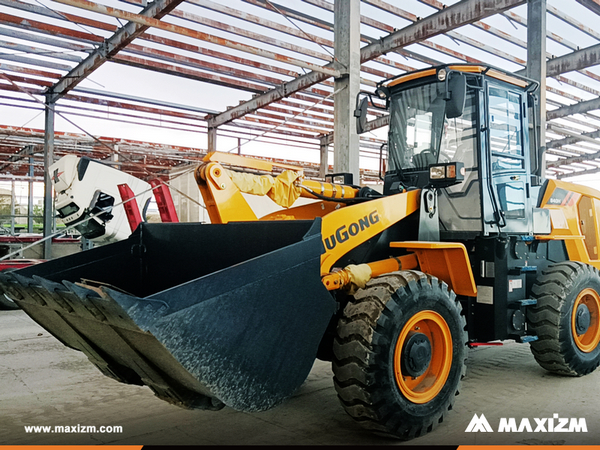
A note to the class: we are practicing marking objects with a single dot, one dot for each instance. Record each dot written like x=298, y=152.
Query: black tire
x=365, y=347
x=560, y=290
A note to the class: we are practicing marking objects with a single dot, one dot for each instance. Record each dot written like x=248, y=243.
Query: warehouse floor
x=44, y=383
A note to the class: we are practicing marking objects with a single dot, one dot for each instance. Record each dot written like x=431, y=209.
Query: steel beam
x=19, y=69
x=571, y=21
x=21, y=154
x=34, y=62
x=369, y=126
x=576, y=173
x=450, y=18
x=573, y=159
x=577, y=108
x=28, y=49
x=569, y=132
x=457, y=15
x=223, y=9
x=71, y=34
x=117, y=95
x=263, y=39
x=155, y=23
x=578, y=60
x=581, y=59
x=452, y=34
x=592, y=5
x=110, y=47
x=48, y=12
x=184, y=72
x=506, y=36
x=297, y=15
x=557, y=143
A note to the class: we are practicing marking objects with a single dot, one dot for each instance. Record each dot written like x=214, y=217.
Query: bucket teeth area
x=239, y=326
x=94, y=323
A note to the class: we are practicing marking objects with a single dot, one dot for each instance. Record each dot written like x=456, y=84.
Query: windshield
x=420, y=134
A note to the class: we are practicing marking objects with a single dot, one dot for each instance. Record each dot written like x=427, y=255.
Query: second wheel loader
x=467, y=243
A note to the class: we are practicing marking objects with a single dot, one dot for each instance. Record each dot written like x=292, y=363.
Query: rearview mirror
x=361, y=115
x=456, y=93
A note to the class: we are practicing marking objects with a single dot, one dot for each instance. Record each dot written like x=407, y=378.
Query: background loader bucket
x=203, y=314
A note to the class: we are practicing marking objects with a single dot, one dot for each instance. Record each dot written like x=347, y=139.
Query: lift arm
x=222, y=189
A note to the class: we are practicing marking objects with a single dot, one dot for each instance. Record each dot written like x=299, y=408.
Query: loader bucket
x=205, y=315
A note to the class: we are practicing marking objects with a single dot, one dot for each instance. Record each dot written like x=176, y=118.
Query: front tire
x=566, y=318
x=399, y=354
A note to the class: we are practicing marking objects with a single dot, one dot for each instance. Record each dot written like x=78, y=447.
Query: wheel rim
x=425, y=387
x=587, y=341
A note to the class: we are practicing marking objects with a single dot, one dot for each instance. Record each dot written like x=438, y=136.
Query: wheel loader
x=467, y=243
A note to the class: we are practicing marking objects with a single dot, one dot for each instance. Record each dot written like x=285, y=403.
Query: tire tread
x=358, y=340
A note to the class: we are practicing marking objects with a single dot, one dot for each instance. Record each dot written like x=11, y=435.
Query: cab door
x=507, y=199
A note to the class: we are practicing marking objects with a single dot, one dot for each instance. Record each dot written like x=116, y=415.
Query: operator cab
x=473, y=119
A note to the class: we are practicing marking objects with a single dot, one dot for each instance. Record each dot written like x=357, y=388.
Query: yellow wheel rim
x=425, y=387
x=589, y=340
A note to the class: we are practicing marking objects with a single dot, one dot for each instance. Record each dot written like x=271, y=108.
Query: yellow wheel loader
x=467, y=243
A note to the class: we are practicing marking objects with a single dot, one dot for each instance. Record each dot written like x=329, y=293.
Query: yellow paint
x=250, y=163
x=448, y=261
x=428, y=385
x=466, y=68
x=348, y=275
x=347, y=228
x=574, y=219
x=328, y=190
x=506, y=78
x=588, y=341
x=305, y=212
x=223, y=200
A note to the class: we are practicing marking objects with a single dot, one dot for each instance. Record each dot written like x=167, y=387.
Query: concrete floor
x=44, y=383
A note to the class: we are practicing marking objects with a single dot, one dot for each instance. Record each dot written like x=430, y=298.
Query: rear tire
x=566, y=318
x=399, y=354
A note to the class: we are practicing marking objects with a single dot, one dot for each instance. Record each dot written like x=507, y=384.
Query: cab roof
x=492, y=72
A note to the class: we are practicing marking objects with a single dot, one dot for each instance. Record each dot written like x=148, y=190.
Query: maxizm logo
x=343, y=233
x=553, y=424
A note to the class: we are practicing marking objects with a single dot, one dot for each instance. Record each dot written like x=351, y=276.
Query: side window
x=509, y=189
x=506, y=140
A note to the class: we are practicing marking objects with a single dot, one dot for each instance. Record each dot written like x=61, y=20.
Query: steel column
x=212, y=139
x=347, y=86
x=48, y=160
x=13, y=202
x=536, y=69
x=324, y=149
x=30, y=194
